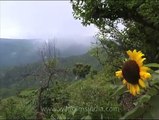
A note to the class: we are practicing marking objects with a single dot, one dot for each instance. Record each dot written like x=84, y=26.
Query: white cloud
x=40, y=19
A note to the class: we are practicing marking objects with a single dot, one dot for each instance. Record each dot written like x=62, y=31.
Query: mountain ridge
x=25, y=51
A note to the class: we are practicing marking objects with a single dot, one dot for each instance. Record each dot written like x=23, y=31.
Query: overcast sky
x=40, y=20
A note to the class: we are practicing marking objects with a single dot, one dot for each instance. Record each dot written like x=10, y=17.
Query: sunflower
x=133, y=72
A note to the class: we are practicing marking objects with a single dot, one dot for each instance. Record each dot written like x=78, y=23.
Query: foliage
x=93, y=97
x=80, y=70
x=15, y=79
x=140, y=31
x=99, y=95
x=146, y=103
x=54, y=97
x=14, y=108
x=123, y=24
x=98, y=11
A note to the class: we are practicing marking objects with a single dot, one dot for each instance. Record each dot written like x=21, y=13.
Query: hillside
x=21, y=77
x=18, y=52
x=15, y=52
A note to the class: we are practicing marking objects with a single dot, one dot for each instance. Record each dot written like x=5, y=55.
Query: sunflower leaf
x=154, y=106
x=153, y=91
x=120, y=90
x=147, y=115
x=156, y=86
x=61, y=116
x=157, y=71
x=74, y=111
x=134, y=113
x=152, y=65
x=144, y=98
x=88, y=117
x=154, y=78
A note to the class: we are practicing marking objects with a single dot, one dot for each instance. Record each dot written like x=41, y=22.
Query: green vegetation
x=50, y=90
x=81, y=70
x=15, y=79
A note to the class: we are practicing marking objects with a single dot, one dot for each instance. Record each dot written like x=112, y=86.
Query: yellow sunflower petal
x=137, y=89
x=128, y=86
x=145, y=75
x=124, y=81
x=130, y=54
x=140, y=54
x=136, y=56
x=143, y=59
x=140, y=61
x=133, y=90
x=130, y=90
x=134, y=50
x=141, y=83
x=144, y=69
x=119, y=74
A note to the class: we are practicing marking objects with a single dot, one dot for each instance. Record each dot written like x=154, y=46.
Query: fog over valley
x=24, y=51
x=25, y=27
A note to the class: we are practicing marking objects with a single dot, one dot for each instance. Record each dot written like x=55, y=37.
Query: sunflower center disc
x=131, y=71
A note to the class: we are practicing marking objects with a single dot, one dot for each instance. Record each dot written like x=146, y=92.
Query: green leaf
x=61, y=116
x=144, y=98
x=120, y=90
x=157, y=71
x=152, y=65
x=155, y=76
x=74, y=111
x=156, y=86
x=154, y=106
x=88, y=117
x=134, y=113
x=147, y=115
x=152, y=91
x=101, y=117
x=2, y=118
x=154, y=82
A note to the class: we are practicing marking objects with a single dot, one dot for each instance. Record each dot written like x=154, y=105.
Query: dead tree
x=49, y=60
